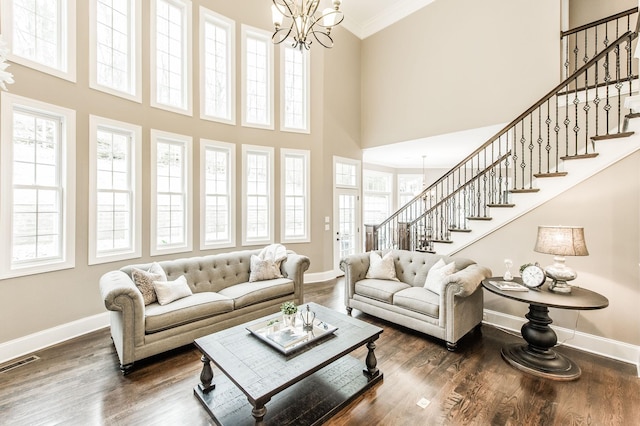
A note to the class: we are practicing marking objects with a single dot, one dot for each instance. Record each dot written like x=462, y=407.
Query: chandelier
x=306, y=21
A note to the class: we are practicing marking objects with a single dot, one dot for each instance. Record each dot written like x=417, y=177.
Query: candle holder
x=308, y=316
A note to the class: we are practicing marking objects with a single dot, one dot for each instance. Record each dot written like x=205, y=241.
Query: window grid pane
x=113, y=44
x=257, y=81
x=217, y=70
x=258, y=196
x=37, y=32
x=346, y=174
x=37, y=191
x=295, y=89
x=377, y=196
x=295, y=196
x=170, y=55
x=217, y=208
x=171, y=195
x=115, y=192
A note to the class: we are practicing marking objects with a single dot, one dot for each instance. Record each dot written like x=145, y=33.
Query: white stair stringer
x=609, y=152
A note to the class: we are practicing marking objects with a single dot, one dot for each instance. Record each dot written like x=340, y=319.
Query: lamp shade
x=561, y=241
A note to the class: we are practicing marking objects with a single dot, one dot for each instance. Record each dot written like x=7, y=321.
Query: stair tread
x=553, y=174
x=443, y=241
x=612, y=136
x=479, y=218
x=579, y=157
x=501, y=205
x=524, y=190
x=632, y=115
x=459, y=230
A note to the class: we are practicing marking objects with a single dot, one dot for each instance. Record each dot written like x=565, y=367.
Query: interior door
x=346, y=226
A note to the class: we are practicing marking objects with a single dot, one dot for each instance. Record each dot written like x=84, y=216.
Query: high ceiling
x=366, y=17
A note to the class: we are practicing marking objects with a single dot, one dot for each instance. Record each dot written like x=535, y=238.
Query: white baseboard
x=317, y=277
x=33, y=342
x=609, y=348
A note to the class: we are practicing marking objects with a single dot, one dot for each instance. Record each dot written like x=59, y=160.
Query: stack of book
x=508, y=286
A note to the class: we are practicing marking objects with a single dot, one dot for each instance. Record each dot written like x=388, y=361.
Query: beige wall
x=39, y=302
x=457, y=65
x=607, y=205
x=585, y=11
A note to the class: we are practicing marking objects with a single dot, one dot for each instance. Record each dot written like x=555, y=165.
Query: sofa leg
x=451, y=347
x=349, y=309
x=126, y=368
x=478, y=329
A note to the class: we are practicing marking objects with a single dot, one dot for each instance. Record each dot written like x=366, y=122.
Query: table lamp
x=561, y=241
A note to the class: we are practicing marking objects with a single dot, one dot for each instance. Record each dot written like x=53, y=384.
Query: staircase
x=577, y=129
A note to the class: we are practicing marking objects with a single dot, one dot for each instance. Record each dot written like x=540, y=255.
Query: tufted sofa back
x=207, y=273
x=412, y=266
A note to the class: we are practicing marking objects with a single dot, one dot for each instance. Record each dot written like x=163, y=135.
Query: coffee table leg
x=258, y=413
x=206, y=376
x=371, y=361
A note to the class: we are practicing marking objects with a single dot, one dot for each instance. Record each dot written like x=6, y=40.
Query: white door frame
x=341, y=188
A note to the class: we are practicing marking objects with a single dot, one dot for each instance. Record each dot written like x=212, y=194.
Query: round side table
x=537, y=357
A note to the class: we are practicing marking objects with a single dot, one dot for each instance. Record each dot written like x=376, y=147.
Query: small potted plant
x=289, y=310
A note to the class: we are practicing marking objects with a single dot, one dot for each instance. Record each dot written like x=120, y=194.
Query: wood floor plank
x=78, y=383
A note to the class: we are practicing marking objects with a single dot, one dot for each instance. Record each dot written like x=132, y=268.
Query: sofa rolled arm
x=355, y=268
x=294, y=267
x=466, y=281
x=116, y=287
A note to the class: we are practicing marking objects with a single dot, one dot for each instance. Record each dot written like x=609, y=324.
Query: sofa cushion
x=168, y=291
x=245, y=294
x=263, y=269
x=438, y=275
x=381, y=267
x=183, y=311
x=144, y=282
x=379, y=289
x=418, y=299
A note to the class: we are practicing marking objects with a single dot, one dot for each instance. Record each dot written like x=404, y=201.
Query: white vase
x=289, y=320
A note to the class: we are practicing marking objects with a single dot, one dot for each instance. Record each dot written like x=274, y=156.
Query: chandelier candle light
x=561, y=241
x=305, y=22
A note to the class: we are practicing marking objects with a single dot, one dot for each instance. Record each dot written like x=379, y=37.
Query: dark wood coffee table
x=305, y=387
x=537, y=357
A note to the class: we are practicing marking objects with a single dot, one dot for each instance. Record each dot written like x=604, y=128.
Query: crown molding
x=391, y=14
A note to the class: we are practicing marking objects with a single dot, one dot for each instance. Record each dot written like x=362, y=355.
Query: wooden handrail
x=599, y=22
x=629, y=34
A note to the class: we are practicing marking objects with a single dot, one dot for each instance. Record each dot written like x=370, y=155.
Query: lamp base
x=559, y=286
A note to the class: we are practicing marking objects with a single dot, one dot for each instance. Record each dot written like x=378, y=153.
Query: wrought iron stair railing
x=564, y=125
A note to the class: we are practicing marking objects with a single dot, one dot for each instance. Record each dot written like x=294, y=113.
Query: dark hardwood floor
x=78, y=383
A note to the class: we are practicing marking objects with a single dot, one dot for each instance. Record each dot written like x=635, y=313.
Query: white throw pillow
x=438, y=275
x=155, y=268
x=381, y=268
x=261, y=270
x=168, y=291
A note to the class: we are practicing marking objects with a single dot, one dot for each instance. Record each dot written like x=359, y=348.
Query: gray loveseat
x=222, y=297
x=447, y=316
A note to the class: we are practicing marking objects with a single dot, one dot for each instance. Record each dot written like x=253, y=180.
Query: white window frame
x=66, y=40
x=187, y=76
x=284, y=100
x=412, y=194
x=134, y=57
x=135, y=187
x=305, y=155
x=264, y=150
x=67, y=176
x=350, y=162
x=186, y=142
x=230, y=150
x=264, y=36
x=209, y=17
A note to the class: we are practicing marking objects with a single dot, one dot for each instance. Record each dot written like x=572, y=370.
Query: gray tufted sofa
x=448, y=316
x=222, y=297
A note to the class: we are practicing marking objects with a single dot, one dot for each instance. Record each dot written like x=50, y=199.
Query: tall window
x=115, y=218
x=171, y=55
x=37, y=200
x=294, y=85
x=295, y=195
x=115, y=47
x=377, y=188
x=409, y=186
x=257, y=188
x=217, y=67
x=42, y=35
x=217, y=199
x=171, y=193
x=257, y=78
